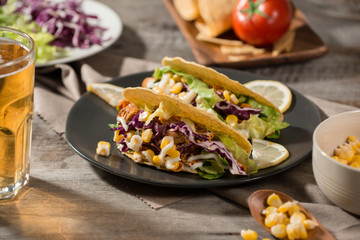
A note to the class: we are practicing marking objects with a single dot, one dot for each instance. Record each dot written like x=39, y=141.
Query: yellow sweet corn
x=173, y=153
x=274, y=200
x=269, y=210
x=234, y=99
x=309, y=224
x=164, y=142
x=297, y=217
x=294, y=208
x=117, y=136
x=226, y=95
x=144, y=116
x=150, y=153
x=103, y=148
x=285, y=206
x=146, y=135
x=278, y=230
x=156, y=160
x=158, y=90
x=176, y=88
x=129, y=135
x=249, y=234
x=181, y=95
x=231, y=119
x=274, y=218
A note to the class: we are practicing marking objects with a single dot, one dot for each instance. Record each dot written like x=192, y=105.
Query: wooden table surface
x=67, y=198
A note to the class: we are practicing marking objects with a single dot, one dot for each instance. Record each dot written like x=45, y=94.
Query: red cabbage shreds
x=65, y=20
x=210, y=146
x=225, y=108
x=3, y=2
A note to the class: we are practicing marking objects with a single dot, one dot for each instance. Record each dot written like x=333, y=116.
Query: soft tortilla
x=213, y=77
x=143, y=96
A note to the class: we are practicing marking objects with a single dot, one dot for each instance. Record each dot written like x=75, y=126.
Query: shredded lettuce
x=211, y=169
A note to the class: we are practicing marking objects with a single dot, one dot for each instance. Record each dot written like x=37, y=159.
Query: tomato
x=261, y=22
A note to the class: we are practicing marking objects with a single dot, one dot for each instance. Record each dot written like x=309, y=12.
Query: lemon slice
x=276, y=92
x=266, y=154
x=110, y=93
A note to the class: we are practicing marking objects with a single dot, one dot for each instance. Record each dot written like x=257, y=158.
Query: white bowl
x=339, y=182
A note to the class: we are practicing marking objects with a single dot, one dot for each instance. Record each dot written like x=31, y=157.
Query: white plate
x=107, y=19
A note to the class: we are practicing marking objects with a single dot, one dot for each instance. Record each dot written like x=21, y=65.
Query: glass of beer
x=17, y=67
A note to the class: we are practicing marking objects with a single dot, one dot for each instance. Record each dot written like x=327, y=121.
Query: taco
x=166, y=133
x=205, y=88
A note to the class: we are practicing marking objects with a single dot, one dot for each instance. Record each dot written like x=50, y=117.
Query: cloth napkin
x=58, y=87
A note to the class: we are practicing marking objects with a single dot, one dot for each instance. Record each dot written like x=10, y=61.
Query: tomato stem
x=254, y=9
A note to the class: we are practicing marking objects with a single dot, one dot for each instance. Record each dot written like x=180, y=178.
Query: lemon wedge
x=266, y=154
x=276, y=92
x=109, y=93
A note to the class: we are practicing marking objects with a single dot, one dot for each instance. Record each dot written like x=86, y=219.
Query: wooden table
x=67, y=198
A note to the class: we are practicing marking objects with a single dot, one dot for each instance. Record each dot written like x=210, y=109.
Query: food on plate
x=103, y=148
x=244, y=110
x=54, y=25
x=162, y=131
x=276, y=92
x=285, y=219
x=261, y=22
x=267, y=154
x=349, y=152
x=109, y=93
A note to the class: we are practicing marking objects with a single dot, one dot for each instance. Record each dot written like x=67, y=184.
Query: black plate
x=88, y=120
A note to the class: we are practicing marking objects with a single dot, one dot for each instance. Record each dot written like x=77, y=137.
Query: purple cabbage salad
x=65, y=20
x=201, y=141
x=225, y=108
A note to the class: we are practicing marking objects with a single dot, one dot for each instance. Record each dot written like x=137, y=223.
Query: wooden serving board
x=307, y=44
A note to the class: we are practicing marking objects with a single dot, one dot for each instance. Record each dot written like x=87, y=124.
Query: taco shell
x=142, y=97
x=214, y=78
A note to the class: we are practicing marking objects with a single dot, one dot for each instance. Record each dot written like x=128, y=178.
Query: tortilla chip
x=284, y=44
x=217, y=16
x=143, y=96
x=219, y=41
x=187, y=9
x=212, y=77
x=245, y=49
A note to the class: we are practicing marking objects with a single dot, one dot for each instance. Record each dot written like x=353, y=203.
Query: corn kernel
x=183, y=80
x=297, y=217
x=129, y=135
x=309, y=224
x=231, y=119
x=158, y=90
x=226, y=95
x=355, y=164
x=343, y=161
x=249, y=234
x=172, y=165
x=356, y=158
x=352, y=139
x=274, y=218
x=278, y=230
x=146, y=135
x=164, y=142
x=103, y=148
x=269, y=210
x=149, y=154
x=234, y=99
x=294, y=208
x=182, y=94
x=292, y=232
x=176, y=88
x=176, y=77
x=173, y=153
x=274, y=200
x=156, y=160
x=285, y=207
x=144, y=116
x=117, y=136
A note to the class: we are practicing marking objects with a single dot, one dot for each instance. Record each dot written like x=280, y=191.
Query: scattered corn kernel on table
x=67, y=198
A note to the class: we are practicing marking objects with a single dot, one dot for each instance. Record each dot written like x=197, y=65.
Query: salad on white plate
x=63, y=30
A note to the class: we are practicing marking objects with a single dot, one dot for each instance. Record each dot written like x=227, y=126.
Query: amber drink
x=17, y=66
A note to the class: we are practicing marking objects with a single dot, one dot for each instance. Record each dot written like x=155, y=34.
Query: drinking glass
x=17, y=67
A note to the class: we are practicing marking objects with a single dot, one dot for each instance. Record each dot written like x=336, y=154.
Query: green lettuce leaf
x=211, y=169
